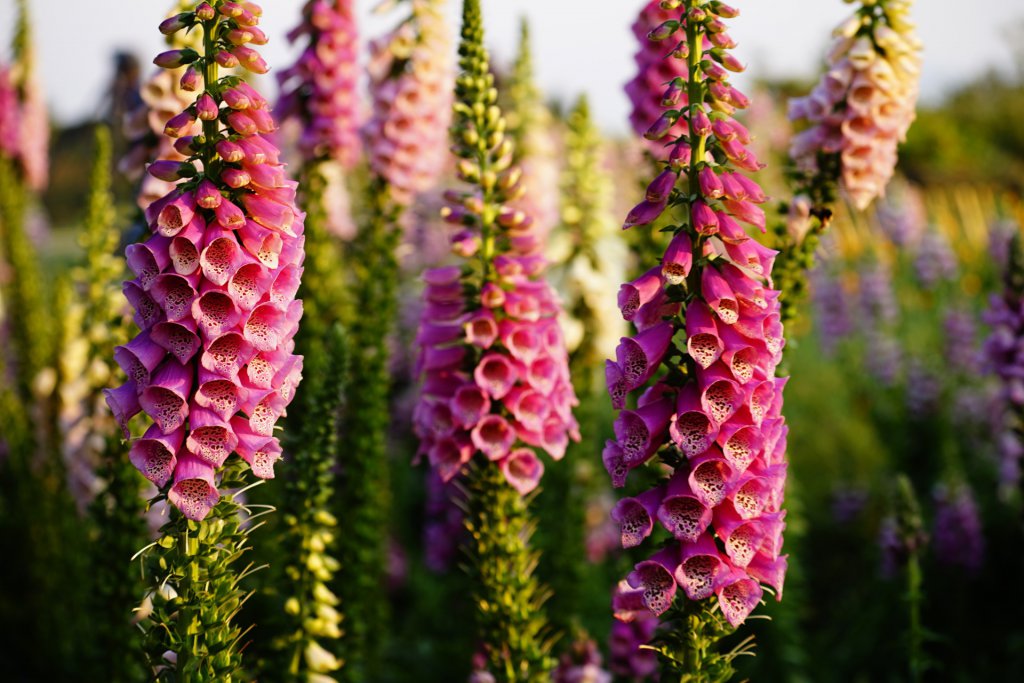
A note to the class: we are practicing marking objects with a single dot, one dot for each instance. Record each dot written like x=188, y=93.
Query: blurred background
x=888, y=367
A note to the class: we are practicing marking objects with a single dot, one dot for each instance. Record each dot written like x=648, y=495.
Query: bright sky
x=579, y=45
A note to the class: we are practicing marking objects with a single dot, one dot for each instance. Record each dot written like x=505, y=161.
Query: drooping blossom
x=634, y=627
x=861, y=109
x=212, y=367
x=411, y=77
x=646, y=91
x=957, y=534
x=714, y=416
x=320, y=89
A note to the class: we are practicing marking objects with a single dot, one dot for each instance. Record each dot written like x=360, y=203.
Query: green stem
x=508, y=596
x=916, y=635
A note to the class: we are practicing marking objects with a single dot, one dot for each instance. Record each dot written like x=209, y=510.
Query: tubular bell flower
x=214, y=292
x=647, y=91
x=411, y=76
x=320, y=88
x=708, y=402
x=863, y=105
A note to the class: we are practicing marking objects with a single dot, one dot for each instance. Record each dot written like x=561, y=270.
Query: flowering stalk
x=24, y=156
x=495, y=372
x=702, y=366
x=212, y=367
x=320, y=95
x=903, y=539
x=857, y=115
x=99, y=477
x=587, y=258
x=410, y=79
x=530, y=128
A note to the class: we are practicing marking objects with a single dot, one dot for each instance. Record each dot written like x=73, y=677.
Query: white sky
x=579, y=45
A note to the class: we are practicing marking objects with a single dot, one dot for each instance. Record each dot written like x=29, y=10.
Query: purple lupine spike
x=957, y=535
x=412, y=81
x=934, y=261
x=213, y=367
x=831, y=307
x=719, y=425
x=319, y=90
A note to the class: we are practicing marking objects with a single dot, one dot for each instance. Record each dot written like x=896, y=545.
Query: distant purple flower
x=582, y=664
x=923, y=389
x=1000, y=235
x=961, y=331
x=883, y=357
x=847, y=503
x=1004, y=356
x=935, y=261
x=903, y=222
x=634, y=626
x=958, y=537
x=877, y=299
x=831, y=307
x=443, y=530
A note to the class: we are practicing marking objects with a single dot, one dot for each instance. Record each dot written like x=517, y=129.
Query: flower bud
x=710, y=183
x=172, y=59
x=673, y=93
x=226, y=59
x=725, y=11
x=660, y=127
x=185, y=146
x=230, y=152
x=235, y=177
x=168, y=171
x=177, y=125
x=700, y=124
x=663, y=31
x=189, y=80
x=206, y=108
x=661, y=187
x=204, y=11
x=207, y=195
x=643, y=213
x=175, y=23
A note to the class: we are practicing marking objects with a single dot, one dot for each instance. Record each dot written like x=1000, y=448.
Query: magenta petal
x=656, y=577
x=493, y=436
x=640, y=356
x=495, y=374
x=178, y=338
x=522, y=469
x=154, y=455
x=681, y=512
x=164, y=400
x=638, y=431
x=635, y=516
x=124, y=404
x=699, y=567
x=193, y=492
x=139, y=358
x=738, y=595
